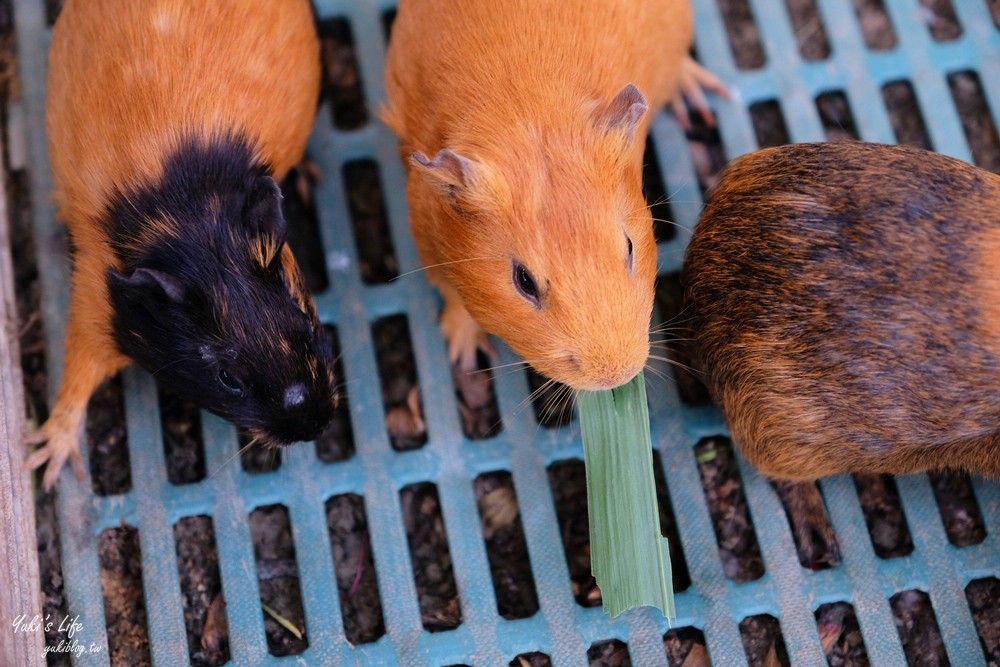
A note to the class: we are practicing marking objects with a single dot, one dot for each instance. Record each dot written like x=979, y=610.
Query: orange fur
x=127, y=82
x=518, y=88
x=294, y=279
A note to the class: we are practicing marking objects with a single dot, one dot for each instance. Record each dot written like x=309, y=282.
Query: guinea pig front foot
x=464, y=336
x=306, y=174
x=694, y=81
x=60, y=442
x=815, y=541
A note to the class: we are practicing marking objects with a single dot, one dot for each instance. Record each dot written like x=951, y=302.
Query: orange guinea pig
x=845, y=304
x=522, y=125
x=169, y=122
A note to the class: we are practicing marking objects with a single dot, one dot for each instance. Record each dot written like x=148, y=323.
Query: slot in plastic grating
x=561, y=628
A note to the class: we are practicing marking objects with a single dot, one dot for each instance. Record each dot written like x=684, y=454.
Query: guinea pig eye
x=525, y=284
x=230, y=382
x=629, y=257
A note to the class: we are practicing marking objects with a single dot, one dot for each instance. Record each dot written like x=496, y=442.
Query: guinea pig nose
x=295, y=395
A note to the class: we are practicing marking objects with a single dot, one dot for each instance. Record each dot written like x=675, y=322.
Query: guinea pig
x=522, y=126
x=168, y=123
x=845, y=304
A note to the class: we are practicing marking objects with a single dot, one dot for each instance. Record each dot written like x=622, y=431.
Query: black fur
x=192, y=299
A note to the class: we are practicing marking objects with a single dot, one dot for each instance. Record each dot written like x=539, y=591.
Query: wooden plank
x=20, y=592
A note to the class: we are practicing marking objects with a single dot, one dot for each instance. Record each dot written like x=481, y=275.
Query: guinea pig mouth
x=578, y=376
x=290, y=431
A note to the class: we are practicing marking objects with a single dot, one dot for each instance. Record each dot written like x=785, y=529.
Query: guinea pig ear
x=624, y=111
x=146, y=286
x=449, y=173
x=263, y=218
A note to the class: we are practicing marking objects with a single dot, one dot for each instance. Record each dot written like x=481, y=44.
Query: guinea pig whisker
x=560, y=401
x=671, y=337
x=657, y=372
x=688, y=182
x=666, y=344
x=666, y=350
x=174, y=363
x=704, y=206
x=646, y=377
x=668, y=197
x=673, y=321
x=669, y=222
x=434, y=266
x=536, y=393
x=672, y=324
x=671, y=332
x=531, y=397
x=549, y=404
x=340, y=390
x=241, y=451
x=661, y=335
x=509, y=371
x=662, y=199
x=513, y=367
x=676, y=316
x=570, y=400
x=689, y=201
x=670, y=328
x=676, y=363
x=552, y=402
x=520, y=406
x=498, y=367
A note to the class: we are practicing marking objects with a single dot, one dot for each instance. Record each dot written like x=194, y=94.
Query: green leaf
x=629, y=558
x=707, y=455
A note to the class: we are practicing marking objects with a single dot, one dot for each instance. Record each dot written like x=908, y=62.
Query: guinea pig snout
x=607, y=371
x=617, y=378
x=305, y=413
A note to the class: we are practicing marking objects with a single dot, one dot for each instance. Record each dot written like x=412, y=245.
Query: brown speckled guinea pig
x=845, y=300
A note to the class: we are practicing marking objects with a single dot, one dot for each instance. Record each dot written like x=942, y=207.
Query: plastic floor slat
x=561, y=628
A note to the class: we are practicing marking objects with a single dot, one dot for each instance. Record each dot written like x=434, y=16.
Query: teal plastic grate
x=561, y=629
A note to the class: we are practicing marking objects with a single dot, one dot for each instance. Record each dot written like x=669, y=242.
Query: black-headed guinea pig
x=168, y=126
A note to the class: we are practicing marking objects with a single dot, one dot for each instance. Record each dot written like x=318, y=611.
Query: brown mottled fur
x=520, y=88
x=987, y=277
x=206, y=68
x=846, y=306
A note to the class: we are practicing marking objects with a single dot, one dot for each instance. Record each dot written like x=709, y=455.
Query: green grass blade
x=629, y=558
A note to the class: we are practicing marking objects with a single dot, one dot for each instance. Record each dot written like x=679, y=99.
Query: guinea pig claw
x=679, y=109
x=465, y=337
x=463, y=351
x=694, y=81
x=306, y=174
x=815, y=540
x=58, y=448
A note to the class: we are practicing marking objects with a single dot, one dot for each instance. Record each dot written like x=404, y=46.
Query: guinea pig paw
x=464, y=345
x=694, y=81
x=306, y=173
x=465, y=338
x=57, y=447
x=815, y=540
